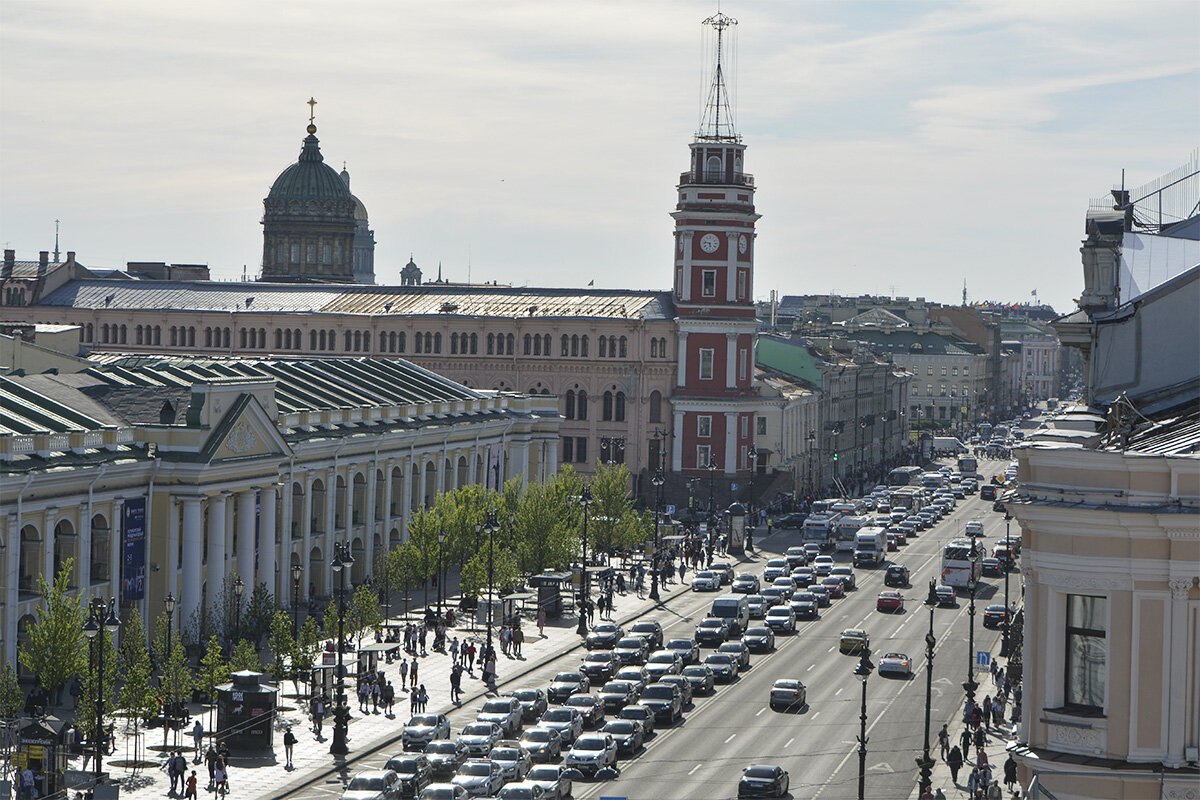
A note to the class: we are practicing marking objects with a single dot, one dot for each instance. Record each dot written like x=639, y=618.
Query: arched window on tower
x=712, y=169
x=581, y=404
x=624, y=347
x=566, y=345
x=491, y=344
x=606, y=407
x=583, y=346
x=528, y=344
x=537, y=345
x=454, y=344
x=655, y=406
x=575, y=345
x=546, y=344
x=511, y=342
x=569, y=410
x=437, y=343
x=348, y=338
x=417, y=340
x=619, y=407
x=312, y=340
x=603, y=347
x=654, y=348
x=474, y=343
x=366, y=341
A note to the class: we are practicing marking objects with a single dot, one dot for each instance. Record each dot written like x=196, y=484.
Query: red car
x=889, y=600
x=836, y=587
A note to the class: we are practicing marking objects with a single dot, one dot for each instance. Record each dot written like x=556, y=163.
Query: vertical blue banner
x=133, y=550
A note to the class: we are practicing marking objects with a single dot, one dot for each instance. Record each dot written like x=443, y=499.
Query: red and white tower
x=715, y=401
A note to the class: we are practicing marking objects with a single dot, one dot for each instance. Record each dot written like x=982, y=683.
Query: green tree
x=214, y=670
x=283, y=647
x=244, y=657
x=54, y=651
x=260, y=610
x=176, y=680
x=504, y=572
x=329, y=622
x=613, y=523
x=136, y=697
x=97, y=683
x=423, y=527
x=363, y=613
x=307, y=647
x=543, y=535
x=12, y=699
x=403, y=563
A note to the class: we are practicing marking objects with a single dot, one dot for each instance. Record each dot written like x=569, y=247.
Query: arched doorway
x=65, y=543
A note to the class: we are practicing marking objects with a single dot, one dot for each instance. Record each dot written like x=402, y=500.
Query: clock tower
x=715, y=400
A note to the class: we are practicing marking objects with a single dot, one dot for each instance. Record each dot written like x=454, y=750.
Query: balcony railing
x=717, y=179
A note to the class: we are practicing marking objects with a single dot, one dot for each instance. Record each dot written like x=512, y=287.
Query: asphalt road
x=701, y=757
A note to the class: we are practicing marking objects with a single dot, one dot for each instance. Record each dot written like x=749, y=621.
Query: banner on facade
x=495, y=467
x=133, y=550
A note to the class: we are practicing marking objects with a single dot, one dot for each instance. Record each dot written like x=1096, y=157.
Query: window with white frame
x=706, y=363
x=708, y=285
x=760, y=426
x=745, y=426
x=703, y=455
x=1086, y=678
x=742, y=364
x=704, y=427
x=741, y=284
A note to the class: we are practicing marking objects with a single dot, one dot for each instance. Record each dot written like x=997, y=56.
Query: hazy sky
x=896, y=145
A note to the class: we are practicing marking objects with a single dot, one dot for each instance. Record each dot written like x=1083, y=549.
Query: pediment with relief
x=246, y=432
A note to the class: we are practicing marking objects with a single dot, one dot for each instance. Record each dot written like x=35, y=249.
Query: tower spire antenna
x=717, y=122
x=56, y=243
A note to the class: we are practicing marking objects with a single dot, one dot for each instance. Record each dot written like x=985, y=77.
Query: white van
x=974, y=529
x=735, y=608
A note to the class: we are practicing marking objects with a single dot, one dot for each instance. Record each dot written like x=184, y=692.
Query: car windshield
x=630, y=641
x=475, y=769
x=662, y=656
x=695, y=671
x=505, y=754
x=644, y=627
x=600, y=657
x=760, y=772
x=566, y=677
x=590, y=744
x=537, y=735
x=478, y=728
x=517, y=793
x=436, y=748
x=620, y=726
x=366, y=785
x=711, y=623
x=438, y=793
x=404, y=765
x=427, y=719
x=557, y=715
x=719, y=658
x=604, y=627
x=581, y=700
x=898, y=656
x=704, y=574
x=496, y=707
x=617, y=687
x=757, y=631
x=659, y=692
x=679, y=644
x=730, y=647
x=526, y=694
x=787, y=684
x=543, y=773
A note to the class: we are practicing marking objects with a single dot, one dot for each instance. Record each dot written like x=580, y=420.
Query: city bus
x=847, y=532
x=968, y=466
x=957, y=564
x=985, y=431
x=821, y=529
x=904, y=476
x=907, y=498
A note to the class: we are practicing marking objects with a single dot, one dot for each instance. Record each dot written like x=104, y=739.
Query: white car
x=514, y=761
x=423, y=729
x=481, y=778
x=374, y=784
x=847, y=574
x=781, y=619
x=592, y=751
x=823, y=564
x=480, y=737
x=896, y=664
x=550, y=777
x=705, y=581
x=564, y=719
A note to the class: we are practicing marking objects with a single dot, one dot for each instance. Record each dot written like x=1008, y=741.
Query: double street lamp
x=102, y=616
x=972, y=585
x=752, y=457
x=343, y=560
x=441, y=537
x=489, y=526
x=585, y=500
x=238, y=588
x=864, y=669
x=657, y=481
x=925, y=763
x=712, y=477
x=297, y=574
x=169, y=607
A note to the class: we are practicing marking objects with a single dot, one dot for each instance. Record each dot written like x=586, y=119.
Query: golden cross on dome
x=312, y=110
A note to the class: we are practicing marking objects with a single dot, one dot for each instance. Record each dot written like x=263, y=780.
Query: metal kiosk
x=549, y=585
x=40, y=747
x=246, y=711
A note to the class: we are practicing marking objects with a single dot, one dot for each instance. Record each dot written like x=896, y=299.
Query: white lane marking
x=761, y=710
x=830, y=650
x=789, y=742
x=810, y=667
x=839, y=691
x=693, y=769
x=817, y=714
x=730, y=739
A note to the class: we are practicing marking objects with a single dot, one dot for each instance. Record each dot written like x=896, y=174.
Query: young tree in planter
x=404, y=564
x=244, y=657
x=95, y=682
x=363, y=613
x=307, y=647
x=214, y=671
x=54, y=651
x=176, y=681
x=136, y=697
x=12, y=699
x=283, y=648
x=504, y=571
x=260, y=610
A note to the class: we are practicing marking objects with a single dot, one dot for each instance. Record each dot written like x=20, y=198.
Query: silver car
x=423, y=729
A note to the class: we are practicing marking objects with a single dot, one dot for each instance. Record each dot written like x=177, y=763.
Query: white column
x=387, y=500
x=1177, y=646
x=193, y=557
x=731, y=421
x=681, y=377
x=48, y=550
x=229, y=523
x=686, y=289
x=731, y=256
x=215, y=570
x=330, y=515
x=306, y=536
x=677, y=450
x=551, y=446
x=85, y=548
x=245, y=538
x=11, y=589
x=520, y=457
x=171, y=561
x=114, y=548
x=266, y=540
x=730, y=360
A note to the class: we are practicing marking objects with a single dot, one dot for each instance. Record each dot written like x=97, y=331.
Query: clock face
x=709, y=243
x=743, y=243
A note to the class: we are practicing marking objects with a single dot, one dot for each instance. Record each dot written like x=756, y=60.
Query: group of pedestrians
x=978, y=719
x=375, y=693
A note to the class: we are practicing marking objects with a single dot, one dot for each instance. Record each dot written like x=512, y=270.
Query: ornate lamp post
x=610, y=447
x=342, y=561
x=712, y=477
x=238, y=588
x=585, y=500
x=490, y=526
x=925, y=763
x=657, y=481
x=297, y=574
x=441, y=537
x=752, y=457
x=1005, y=643
x=970, y=685
x=864, y=669
x=169, y=607
x=103, y=616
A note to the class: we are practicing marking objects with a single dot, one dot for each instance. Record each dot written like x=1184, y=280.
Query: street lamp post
x=657, y=481
x=864, y=669
x=297, y=575
x=238, y=588
x=441, y=537
x=342, y=561
x=1005, y=643
x=752, y=457
x=925, y=763
x=169, y=607
x=712, y=477
x=103, y=616
x=970, y=685
x=490, y=524
x=585, y=500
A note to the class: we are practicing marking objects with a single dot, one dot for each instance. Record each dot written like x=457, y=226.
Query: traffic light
x=835, y=456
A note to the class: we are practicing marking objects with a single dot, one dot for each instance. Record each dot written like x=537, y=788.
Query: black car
x=649, y=630
x=701, y=677
x=445, y=757
x=565, y=684
x=617, y=694
x=603, y=636
x=712, y=631
x=628, y=735
x=533, y=703
x=896, y=575
x=631, y=650
x=414, y=771
x=745, y=584
x=685, y=687
x=665, y=700
x=987, y=491
x=994, y=616
x=761, y=780
x=759, y=639
x=599, y=666
x=793, y=520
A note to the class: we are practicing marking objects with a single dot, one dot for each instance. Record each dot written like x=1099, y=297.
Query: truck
x=949, y=444
x=847, y=529
x=821, y=529
x=968, y=466
x=870, y=547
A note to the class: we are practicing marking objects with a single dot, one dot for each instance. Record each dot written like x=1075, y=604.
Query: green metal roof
x=790, y=357
x=903, y=341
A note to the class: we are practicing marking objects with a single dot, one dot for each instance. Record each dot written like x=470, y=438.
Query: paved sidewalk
x=997, y=737
x=265, y=776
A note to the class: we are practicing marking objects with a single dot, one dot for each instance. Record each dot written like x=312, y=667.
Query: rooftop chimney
x=43, y=260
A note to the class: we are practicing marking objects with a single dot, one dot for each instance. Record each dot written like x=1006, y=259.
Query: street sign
x=670, y=509
x=983, y=661
x=733, y=487
x=606, y=797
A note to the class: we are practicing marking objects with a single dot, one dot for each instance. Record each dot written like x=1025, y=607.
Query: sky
x=898, y=147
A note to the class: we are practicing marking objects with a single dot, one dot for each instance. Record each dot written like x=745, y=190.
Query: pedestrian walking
x=518, y=638
x=954, y=761
x=289, y=741
x=221, y=779
x=455, y=683
x=189, y=791
x=389, y=698
x=541, y=622
x=412, y=675
x=210, y=760
x=973, y=783
x=980, y=741
x=471, y=657
x=993, y=792
x=944, y=740
x=318, y=717
x=1001, y=676
x=171, y=765
x=985, y=709
x=454, y=650
x=995, y=668
x=424, y=699
x=1010, y=772
x=489, y=672
x=414, y=701
x=965, y=741
x=404, y=674
x=198, y=738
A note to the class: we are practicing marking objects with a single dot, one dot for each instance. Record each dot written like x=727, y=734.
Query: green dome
x=310, y=178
